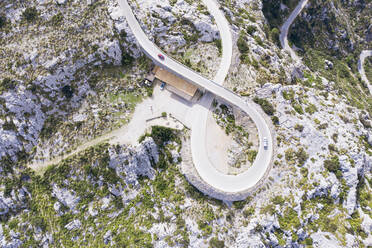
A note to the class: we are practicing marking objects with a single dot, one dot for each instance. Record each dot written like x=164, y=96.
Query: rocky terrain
x=368, y=68
x=184, y=29
x=71, y=70
x=243, y=149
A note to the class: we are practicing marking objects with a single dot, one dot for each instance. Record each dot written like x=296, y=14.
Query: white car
x=265, y=143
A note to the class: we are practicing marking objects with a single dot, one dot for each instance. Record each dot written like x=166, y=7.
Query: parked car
x=161, y=56
x=265, y=143
x=162, y=86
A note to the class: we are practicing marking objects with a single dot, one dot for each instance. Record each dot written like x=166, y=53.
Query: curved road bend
x=363, y=55
x=209, y=174
x=284, y=29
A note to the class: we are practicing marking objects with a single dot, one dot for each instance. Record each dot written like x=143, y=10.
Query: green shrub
x=162, y=134
x=126, y=59
x=49, y=127
x=9, y=126
x=271, y=9
x=311, y=109
x=275, y=120
x=304, y=171
x=251, y=155
x=149, y=91
x=242, y=44
x=7, y=84
x=239, y=204
x=205, y=228
x=2, y=21
x=289, y=220
x=57, y=19
x=288, y=94
x=30, y=14
x=278, y=200
x=218, y=44
x=332, y=164
x=258, y=40
x=323, y=126
x=332, y=148
x=164, y=114
x=216, y=243
x=335, y=137
x=289, y=155
x=248, y=212
x=299, y=127
x=208, y=214
x=251, y=29
x=309, y=241
x=302, y=156
x=275, y=35
x=162, y=164
x=67, y=91
x=298, y=108
x=266, y=106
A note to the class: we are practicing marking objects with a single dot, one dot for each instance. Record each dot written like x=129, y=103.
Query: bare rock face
x=135, y=162
x=369, y=34
x=66, y=197
x=164, y=15
x=61, y=2
x=110, y=52
x=15, y=201
x=73, y=225
x=319, y=240
x=27, y=121
x=14, y=242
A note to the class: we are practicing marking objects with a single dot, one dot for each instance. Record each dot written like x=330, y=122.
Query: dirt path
x=162, y=101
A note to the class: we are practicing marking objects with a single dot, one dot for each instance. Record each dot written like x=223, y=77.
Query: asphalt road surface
x=226, y=183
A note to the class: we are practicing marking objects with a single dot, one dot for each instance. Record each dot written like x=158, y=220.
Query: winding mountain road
x=222, y=182
x=284, y=29
x=363, y=55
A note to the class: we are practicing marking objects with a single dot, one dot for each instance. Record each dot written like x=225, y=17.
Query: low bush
x=162, y=134
x=30, y=14
x=216, y=243
x=251, y=29
x=57, y=19
x=299, y=127
x=67, y=91
x=274, y=33
x=266, y=106
x=242, y=44
x=275, y=120
x=298, y=108
x=302, y=156
x=10, y=126
x=126, y=59
x=2, y=21
x=311, y=109
x=332, y=164
x=7, y=84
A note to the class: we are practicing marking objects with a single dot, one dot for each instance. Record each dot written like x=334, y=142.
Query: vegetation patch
x=266, y=106
x=30, y=14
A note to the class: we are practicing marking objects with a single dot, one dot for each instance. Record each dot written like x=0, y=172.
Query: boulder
x=66, y=197
x=73, y=225
x=107, y=237
x=328, y=64
x=61, y=2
